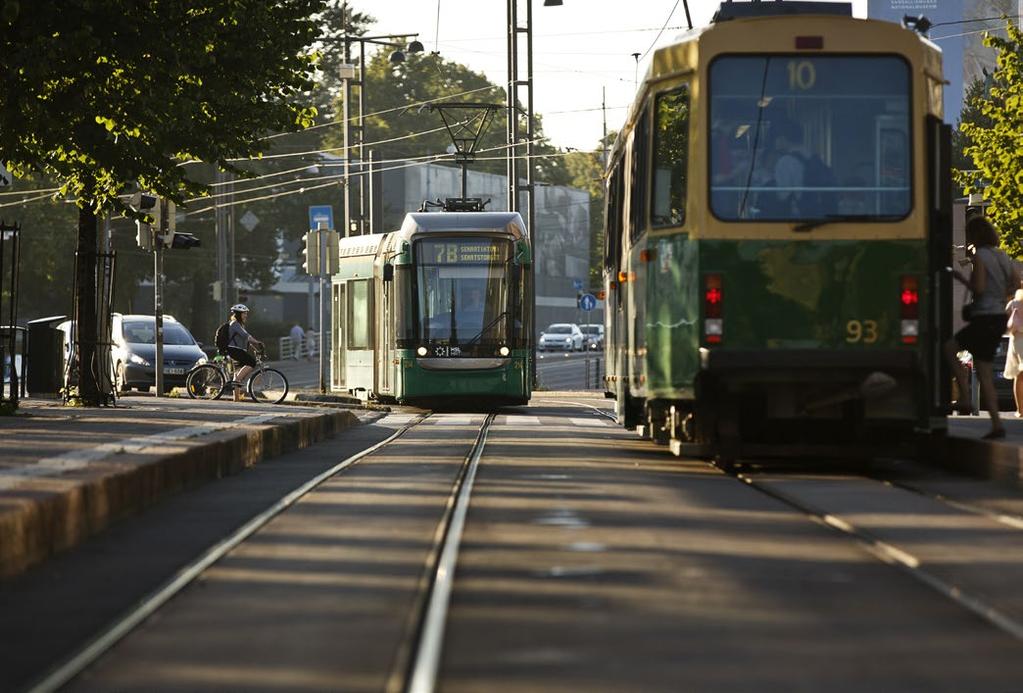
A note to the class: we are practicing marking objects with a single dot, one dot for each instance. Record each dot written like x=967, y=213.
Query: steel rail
x=893, y=556
x=78, y=662
x=1012, y=520
x=418, y=660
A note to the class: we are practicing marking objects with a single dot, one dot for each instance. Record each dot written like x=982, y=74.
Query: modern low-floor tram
x=437, y=311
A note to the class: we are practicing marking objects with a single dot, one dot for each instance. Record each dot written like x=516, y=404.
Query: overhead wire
x=659, y=33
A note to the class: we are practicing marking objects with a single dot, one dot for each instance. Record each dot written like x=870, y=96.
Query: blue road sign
x=324, y=213
x=587, y=302
x=577, y=284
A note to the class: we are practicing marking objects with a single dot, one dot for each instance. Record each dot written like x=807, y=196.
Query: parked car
x=561, y=337
x=134, y=352
x=594, y=336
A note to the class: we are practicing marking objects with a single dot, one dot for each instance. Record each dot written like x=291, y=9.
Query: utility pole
x=325, y=344
x=220, y=231
x=603, y=107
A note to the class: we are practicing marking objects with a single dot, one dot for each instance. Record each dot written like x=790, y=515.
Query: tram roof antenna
x=466, y=124
x=756, y=8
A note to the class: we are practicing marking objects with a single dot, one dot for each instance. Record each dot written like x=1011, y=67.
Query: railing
x=291, y=349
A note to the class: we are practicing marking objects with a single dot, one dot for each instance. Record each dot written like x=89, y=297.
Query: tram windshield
x=464, y=292
x=799, y=137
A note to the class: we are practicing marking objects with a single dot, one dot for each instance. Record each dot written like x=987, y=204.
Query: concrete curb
x=54, y=515
x=994, y=461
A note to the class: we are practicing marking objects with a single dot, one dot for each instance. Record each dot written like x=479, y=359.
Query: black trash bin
x=45, y=373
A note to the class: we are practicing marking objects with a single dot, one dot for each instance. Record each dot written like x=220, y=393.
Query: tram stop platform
x=66, y=473
x=965, y=451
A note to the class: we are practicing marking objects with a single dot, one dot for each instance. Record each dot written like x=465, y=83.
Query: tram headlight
x=504, y=351
x=422, y=351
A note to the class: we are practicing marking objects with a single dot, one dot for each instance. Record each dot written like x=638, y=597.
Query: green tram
x=777, y=227
x=437, y=311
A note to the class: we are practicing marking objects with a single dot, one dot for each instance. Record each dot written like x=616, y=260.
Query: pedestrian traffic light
x=311, y=265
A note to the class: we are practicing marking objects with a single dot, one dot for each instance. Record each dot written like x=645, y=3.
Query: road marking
x=588, y=422
x=453, y=420
x=521, y=420
x=80, y=459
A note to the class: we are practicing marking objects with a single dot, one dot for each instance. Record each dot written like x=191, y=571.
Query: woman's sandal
x=962, y=408
x=994, y=434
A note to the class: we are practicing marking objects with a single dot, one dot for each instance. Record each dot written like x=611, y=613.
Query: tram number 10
x=802, y=75
x=861, y=331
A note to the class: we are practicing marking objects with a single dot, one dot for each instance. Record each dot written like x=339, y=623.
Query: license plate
x=174, y=371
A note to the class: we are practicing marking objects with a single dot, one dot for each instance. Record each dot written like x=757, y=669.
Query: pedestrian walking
x=297, y=336
x=993, y=279
x=1014, y=356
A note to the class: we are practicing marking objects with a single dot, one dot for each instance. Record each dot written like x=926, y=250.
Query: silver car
x=561, y=336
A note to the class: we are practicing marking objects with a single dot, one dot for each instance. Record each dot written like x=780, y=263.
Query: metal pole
x=362, y=139
x=325, y=341
x=512, y=117
x=158, y=306
x=221, y=234
x=603, y=107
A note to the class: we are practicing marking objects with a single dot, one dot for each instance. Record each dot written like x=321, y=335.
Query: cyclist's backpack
x=223, y=337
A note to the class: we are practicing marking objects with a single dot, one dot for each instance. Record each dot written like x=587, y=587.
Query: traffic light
x=333, y=252
x=312, y=253
x=169, y=236
x=148, y=204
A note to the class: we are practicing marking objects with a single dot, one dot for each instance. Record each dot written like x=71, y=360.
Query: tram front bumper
x=453, y=377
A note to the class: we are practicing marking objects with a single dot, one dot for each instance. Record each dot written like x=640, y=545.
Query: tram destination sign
x=465, y=252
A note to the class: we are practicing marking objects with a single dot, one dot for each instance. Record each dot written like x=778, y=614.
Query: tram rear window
x=796, y=137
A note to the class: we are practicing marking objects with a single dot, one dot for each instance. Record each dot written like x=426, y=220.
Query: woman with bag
x=1014, y=357
x=993, y=279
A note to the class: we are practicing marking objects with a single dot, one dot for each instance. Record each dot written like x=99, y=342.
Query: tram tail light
x=713, y=301
x=909, y=303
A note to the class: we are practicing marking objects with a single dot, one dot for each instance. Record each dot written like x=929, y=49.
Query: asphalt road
x=591, y=560
x=570, y=371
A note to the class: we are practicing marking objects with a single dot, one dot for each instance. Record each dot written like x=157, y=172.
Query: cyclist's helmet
x=239, y=308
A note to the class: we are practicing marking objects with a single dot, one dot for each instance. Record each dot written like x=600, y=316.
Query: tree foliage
x=98, y=95
x=996, y=140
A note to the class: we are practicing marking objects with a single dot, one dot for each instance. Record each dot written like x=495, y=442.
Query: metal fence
x=291, y=349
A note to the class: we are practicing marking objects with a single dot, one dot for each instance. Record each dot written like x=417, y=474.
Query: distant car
x=561, y=337
x=134, y=352
x=594, y=336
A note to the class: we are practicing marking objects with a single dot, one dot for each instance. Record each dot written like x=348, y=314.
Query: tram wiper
x=486, y=327
x=811, y=224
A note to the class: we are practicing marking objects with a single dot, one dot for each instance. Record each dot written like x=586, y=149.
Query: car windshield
x=144, y=332
x=463, y=290
x=799, y=137
x=559, y=329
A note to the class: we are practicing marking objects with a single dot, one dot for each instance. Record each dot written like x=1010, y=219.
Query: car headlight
x=201, y=360
x=135, y=358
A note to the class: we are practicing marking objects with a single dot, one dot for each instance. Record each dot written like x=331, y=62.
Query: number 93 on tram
x=436, y=312
x=777, y=223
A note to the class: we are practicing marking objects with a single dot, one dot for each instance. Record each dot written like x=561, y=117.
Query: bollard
x=974, y=392
x=586, y=373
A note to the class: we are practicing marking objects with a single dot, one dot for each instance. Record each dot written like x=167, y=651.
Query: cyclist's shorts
x=241, y=356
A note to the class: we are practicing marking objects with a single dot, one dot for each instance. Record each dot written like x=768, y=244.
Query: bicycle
x=212, y=380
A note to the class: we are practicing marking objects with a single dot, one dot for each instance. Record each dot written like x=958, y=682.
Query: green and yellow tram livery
x=437, y=311
x=777, y=226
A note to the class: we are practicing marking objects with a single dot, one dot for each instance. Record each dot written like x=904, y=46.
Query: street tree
x=996, y=140
x=99, y=96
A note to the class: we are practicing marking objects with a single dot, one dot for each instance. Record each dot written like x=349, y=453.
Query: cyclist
x=238, y=343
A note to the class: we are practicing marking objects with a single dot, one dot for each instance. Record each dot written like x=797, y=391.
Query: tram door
x=337, y=352
x=385, y=352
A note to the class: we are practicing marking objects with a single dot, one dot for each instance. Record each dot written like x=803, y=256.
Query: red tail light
x=909, y=305
x=713, y=303
x=910, y=298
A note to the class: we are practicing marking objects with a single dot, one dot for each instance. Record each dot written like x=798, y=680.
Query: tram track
x=417, y=659
x=78, y=662
x=887, y=552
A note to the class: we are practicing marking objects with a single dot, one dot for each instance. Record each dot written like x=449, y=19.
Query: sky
x=579, y=49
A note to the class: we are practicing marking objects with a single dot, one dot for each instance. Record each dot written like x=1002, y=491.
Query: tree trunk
x=86, y=310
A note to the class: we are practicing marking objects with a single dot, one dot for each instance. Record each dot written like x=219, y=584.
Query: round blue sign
x=587, y=302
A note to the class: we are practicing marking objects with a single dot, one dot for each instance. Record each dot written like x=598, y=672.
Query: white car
x=561, y=336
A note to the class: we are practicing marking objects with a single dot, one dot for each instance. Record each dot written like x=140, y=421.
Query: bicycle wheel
x=205, y=382
x=268, y=385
